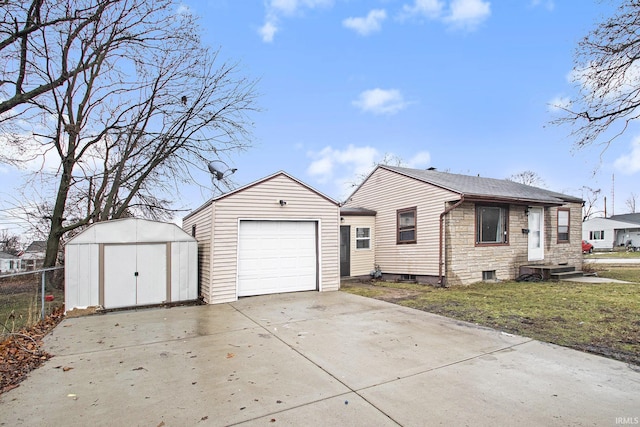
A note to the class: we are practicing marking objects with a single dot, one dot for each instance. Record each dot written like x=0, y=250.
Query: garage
x=276, y=256
x=274, y=235
x=130, y=263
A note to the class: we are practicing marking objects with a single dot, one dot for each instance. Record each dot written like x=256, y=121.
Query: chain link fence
x=27, y=297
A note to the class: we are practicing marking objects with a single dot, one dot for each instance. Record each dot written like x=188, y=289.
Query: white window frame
x=366, y=239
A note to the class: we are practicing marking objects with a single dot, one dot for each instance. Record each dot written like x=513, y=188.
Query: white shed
x=130, y=262
x=274, y=235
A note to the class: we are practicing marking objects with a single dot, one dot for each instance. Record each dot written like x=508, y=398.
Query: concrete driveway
x=312, y=359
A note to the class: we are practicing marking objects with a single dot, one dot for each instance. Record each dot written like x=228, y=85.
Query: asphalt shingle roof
x=481, y=187
x=632, y=217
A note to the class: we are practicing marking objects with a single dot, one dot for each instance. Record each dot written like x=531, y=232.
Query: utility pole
x=613, y=194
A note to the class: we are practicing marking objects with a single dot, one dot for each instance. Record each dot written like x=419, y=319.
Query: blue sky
x=466, y=86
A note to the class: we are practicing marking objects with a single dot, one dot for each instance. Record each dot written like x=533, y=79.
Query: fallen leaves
x=22, y=352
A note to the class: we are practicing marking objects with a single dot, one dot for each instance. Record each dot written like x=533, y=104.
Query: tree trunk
x=57, y=216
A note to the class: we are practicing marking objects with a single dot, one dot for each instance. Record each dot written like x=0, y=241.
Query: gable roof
x=37, y=246
x=481, y=188
x=608, y=223
x=260, y=181
x=631, y=217
x=4, y=255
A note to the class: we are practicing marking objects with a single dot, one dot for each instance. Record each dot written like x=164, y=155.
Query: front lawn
x=620, y=254
x=598, y=318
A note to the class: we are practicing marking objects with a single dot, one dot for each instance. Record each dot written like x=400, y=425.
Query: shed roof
x=485, y=188
x=131, y=230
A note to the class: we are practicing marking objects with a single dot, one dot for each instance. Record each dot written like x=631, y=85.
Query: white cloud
x=268, y=31
x=559, y=103
x=431, y=9
x=381, y=101
x=419, y=160
x=342, y=168
x=348, y=167
x=462, y=14
x=367, y=25
x=548, y=4
x=619, y=86
x=468, y=14
x=292, y=7
x=275, y=9
x=630, y=163
x=357, y=160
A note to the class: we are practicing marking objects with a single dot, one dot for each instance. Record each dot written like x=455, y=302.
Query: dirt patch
x=381, y=292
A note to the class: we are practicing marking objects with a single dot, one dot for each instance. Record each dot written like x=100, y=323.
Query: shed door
x=135, y=275
x=277, y=256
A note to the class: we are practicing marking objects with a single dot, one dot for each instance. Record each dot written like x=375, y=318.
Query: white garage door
x=135, y=275
x=276, y=256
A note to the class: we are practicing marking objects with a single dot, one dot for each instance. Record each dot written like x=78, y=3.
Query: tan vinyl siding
x=362, y=260
x=260, y=202
x=202, y=220
x=385, y=192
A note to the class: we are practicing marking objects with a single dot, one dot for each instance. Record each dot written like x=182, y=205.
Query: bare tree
x=10, y=243
x=527, y=178
x=36, y=64
x=631, y=202
x=129, y=128
x=590, y=197
x=607, y=74
x=388, y=159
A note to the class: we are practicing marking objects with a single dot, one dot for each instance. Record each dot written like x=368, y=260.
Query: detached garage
x=274, y=235
x=129, y=263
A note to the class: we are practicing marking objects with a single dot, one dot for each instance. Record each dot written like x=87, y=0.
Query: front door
x=345, y=250
x=536, y=234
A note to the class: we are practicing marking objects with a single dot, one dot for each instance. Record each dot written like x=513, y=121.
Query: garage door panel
x=276, y=256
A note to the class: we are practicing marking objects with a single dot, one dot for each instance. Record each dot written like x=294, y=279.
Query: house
x=274, y=235
x=33, y=256
x=450, y=229
x=130, y=262
x=615, y=231
x=9, y=263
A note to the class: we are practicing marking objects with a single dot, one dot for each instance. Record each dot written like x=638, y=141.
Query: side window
x=193, y=230
x=406, y=225
x=363, y=238
x=563, y=225
x=491, y=225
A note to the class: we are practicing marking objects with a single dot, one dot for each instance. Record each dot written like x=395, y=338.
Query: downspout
x=441, y=249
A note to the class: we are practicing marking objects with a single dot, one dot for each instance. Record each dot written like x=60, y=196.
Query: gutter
x=441, y=248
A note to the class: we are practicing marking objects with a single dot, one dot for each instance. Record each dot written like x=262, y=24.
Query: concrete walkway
x=309, y=359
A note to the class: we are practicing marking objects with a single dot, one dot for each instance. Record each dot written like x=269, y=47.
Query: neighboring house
x=617, y=230
x=9, y=263
x=274, y=235
x=33, y=256
x=449, y=229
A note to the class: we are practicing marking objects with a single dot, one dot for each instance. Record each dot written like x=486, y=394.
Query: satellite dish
x=218, y=169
